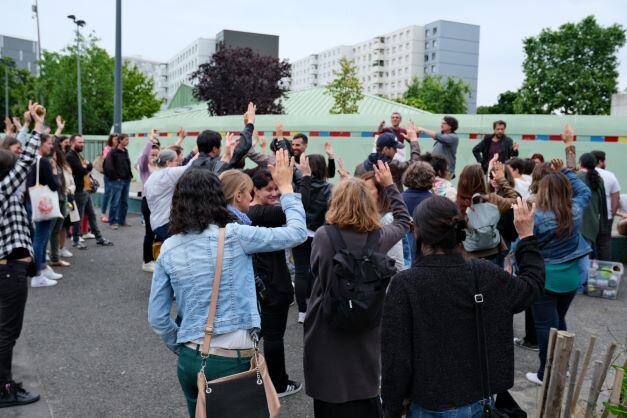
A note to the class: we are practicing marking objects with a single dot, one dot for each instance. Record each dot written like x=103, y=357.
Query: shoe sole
x=283, y=394
x=19, y=403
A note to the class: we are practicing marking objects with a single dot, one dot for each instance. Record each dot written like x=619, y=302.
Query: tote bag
x=44, y=202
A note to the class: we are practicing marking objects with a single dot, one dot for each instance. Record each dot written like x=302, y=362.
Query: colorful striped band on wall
x=370, y=134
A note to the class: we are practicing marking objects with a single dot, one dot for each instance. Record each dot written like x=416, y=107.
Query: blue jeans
x=40, y=242
x=106, y=196
x=473, y=410
x=119, y=201
x=549, y=312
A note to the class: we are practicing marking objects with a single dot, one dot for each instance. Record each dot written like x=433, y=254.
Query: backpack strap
x=336, y=237
x=482, y=344
x=371, y=241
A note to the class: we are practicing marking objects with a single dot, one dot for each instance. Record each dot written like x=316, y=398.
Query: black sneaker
x=291, y=388
x=13, y=394
x=104, y=242
x=522, y=343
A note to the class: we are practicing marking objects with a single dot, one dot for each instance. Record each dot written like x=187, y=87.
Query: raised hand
x=557, y=164
x=412, y=132
x=382, y=174
x=282, y=171
x=523, y=217
x=8, y=126
x=17, y=124
x=263, y=142
x=27, y=118
x=181, y=133
x=231, y=143
x=498, y=170
x=60, y=123
x=515, y=146
x=251, y=113
x=278, y=127
x=568, y=136
x=38, y=113
x=344, y=174
x=305, y=169
x=328, y=149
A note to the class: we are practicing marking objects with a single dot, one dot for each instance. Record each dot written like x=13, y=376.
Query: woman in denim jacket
x=185, y=269
x=561, y=200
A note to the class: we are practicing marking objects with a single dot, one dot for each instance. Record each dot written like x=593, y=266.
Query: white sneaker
x=149, y=267
x=301, y=317
x=89, y=235
x=81, y=239
x=533, y=378
x=41, y=281
x=50, y=274
x=65, y=253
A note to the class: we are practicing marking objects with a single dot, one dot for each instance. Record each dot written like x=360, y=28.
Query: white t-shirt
x=522, y=187
x=611, y=186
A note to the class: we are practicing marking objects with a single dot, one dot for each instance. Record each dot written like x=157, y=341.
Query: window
x=435, y=30
x=433, y=68
x=434, y=43
x=426, y=32
x=433, y=55
x=21, y=55
x=426, y=57
x=426, y=45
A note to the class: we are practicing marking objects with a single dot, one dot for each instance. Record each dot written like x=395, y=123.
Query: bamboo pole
x=584, y=369
x=563, y=349
x=574, y=367
x=616, y=391
x=597, y=371
x=547, y=370
x=607, y=362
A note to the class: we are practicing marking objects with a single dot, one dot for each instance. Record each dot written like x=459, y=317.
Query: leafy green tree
x=571, y=70
x=57, y=85
x=503, y=106
x=437, y=94
x=21, y=87
x=138, y=98
x=346, y=89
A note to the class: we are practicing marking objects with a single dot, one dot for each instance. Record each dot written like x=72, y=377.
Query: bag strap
x=483, y=352
x=215, y=290
x=336, y=237
x=37, y=171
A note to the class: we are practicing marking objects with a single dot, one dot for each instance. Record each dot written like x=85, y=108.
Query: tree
x=572, y=70
x=345, y=89
x=138, y=99
x=437, y=94
x=236, y=76
x=504, y=105
x=21, y=87
x=57, y=85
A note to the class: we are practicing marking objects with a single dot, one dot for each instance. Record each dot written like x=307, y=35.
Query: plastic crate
x=604, y=279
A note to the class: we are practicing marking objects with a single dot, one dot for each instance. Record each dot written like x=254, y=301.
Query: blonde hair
x=234, y=181
x=353, y=207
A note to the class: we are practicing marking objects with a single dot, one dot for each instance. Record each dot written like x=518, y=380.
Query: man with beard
x=80, y=171
x=497, y=143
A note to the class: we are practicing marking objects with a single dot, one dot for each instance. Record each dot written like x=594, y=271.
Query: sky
x=158, y=29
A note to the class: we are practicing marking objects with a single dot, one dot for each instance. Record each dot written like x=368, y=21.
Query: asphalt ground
x=87, y=347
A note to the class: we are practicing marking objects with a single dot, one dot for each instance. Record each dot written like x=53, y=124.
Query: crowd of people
x=391, y=264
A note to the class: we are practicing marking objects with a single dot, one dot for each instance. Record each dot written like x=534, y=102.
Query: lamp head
x=72, y=17
x=80, y=23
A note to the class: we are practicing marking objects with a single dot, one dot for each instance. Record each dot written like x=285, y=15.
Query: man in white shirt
x=612, y=193
x=516, y=167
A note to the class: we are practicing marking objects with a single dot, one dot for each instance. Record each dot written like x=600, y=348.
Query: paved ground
x=87, y=347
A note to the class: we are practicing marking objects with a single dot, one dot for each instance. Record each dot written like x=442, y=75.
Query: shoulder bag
x=505, y=406
x=247, y=394
x=44, y=202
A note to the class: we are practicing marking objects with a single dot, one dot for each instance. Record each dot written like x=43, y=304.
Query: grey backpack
x=483, y=218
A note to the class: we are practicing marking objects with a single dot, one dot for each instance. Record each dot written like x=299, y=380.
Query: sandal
x=104, y=219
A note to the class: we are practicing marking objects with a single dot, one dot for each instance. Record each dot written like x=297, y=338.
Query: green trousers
x=188, y=366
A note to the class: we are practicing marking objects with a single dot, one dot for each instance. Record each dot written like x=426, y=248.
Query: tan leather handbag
x=249, y=394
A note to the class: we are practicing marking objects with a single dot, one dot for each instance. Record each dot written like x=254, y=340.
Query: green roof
x=183, y=97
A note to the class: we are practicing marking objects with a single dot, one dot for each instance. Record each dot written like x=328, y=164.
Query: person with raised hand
x=342, y=366
x=16, y=257
x=429, y=330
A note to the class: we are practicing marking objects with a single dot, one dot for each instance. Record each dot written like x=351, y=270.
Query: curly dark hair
x=439, y=224
x=198, y=202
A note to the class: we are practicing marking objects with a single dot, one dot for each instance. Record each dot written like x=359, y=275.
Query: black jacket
x=216, y=165
x=117, y=165
x=316, y=194
x=78, y=171
x=481, y=151
x=429, y=346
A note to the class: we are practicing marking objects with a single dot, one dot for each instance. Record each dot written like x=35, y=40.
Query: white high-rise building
x=153, y=69
x=184, y=63
x=387, y=63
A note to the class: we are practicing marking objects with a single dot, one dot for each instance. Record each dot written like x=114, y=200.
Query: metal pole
x=36, y=10
x=117, y=97
x=79, y=97
x=6, y=89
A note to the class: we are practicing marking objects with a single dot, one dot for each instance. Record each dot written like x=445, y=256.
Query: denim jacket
x=560, y=250
x=185, y=269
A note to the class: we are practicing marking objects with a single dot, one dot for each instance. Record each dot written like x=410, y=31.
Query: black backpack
x=354, y=297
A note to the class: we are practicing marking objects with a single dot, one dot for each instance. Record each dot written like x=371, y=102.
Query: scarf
x=242, y=218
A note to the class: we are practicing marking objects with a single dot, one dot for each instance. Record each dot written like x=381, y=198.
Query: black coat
x=481, y=151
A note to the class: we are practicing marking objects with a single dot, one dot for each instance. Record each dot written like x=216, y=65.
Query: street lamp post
x=79, y=24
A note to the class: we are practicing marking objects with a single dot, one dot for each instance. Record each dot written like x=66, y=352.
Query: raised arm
x=568, y=138
x=330, y=156
x=392, y=233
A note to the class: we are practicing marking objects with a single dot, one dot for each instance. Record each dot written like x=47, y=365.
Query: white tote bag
x=44, y=202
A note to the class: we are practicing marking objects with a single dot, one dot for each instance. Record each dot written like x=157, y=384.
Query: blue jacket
x=560, y=250
x=186, y=265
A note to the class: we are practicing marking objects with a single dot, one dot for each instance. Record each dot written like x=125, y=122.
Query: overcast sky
x=157, y=29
